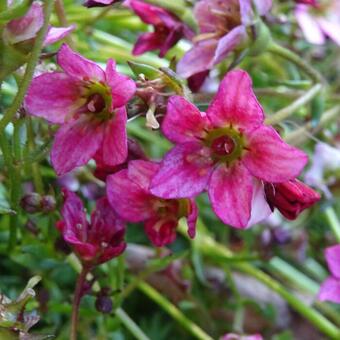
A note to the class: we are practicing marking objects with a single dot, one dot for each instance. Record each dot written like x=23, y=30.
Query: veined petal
x=229, y=42
x=183, y=121
x=55, y=34
x=270, y=158
x=332, y=255
x=122, y=87
x=235, y=103
x=131, y=202
x=230, y=193
x=148, y=13
x=77, y=66
x=184, y=172
x=114, y=146
x=53, y=96
x=148, y=42
x=75, y=144
x=330, y=290
x=141, y=172
x=200, y=58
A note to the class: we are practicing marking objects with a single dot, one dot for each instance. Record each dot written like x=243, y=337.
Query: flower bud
x=31, y=202
x=291, y=197
x=48, y=203
x=104, y=304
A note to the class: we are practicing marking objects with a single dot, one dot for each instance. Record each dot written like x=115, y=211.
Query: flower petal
x=53, y=96
x=235, y=103
x=263, y=6
x=183, y=121
x=184, y=172
x=161, y=232
x=192, y=219
x=114, y=146
x=130, y=201
x=148, y=13
x=229, y=42
x=270, y=158
x=55, y=34
x=148, y=42
x=332, y=29
x=332, y=255
x=141, y=172
x=309, y=25
x=330, y=290
x=75, y=144
x=77, y=66
x=230, y=193
x=200, y=58
x=122, y=87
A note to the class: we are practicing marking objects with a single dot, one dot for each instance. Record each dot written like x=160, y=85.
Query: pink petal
x=270, y=158
x=75, y=144
x=148, y=13
x=192, y=219
x=53, y=96
x=141, y=172
x=147, y=42
x=130, y=201
x=330, y=290
x=183, y=122
x=235, y=103
x=263, y=6
x=184, y=172
x=229, y=42
x=77, y=66
x=173, y=36
x=122, y=87
x=230, y=193
x=332, y=29
x=309, y=25
x=260, y=208
x=332, y=255
x=27, y=26
x=161, y=232
x=114, y=146
x=55, y=34
x=199, y=58
x=247, y=13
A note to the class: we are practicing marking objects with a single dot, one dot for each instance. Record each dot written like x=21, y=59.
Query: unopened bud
x=104, y=304
x=31, y=202
x=48, y=203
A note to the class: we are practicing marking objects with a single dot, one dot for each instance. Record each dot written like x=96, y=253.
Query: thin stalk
x=334, y=222
x=130, y=325
x=76, y=301
x=26, y=80
x=286, y=112
x=60, y=11
x=302, y=134
x=175, y=313
x=297, y=60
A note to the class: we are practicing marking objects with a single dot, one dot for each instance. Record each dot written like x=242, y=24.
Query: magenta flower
x=168, y=29
x=290, y=198
x=330, y=289
x=223, y=27
x=129, y=195
x=319, y=21
x=227, y=150
x=94, y=242
x=88, y=103
x=233, y=336
x=27, y=27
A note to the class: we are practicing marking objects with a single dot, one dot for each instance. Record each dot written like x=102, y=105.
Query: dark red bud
x=31, y=202
x=104, y=304
x=48, y=203
x=291, y=197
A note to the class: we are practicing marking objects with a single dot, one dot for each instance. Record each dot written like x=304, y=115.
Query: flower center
x=96, y=103
x=226, y=144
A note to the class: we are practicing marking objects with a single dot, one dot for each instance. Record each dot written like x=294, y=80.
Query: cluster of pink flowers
x=228, y=151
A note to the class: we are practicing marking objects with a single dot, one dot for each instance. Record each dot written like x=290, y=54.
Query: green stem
x=289, y=110
x=297, y=60
x=26, y=80
x=333, y=222
x=130, y=325
x=154, y=295
x=60, y=11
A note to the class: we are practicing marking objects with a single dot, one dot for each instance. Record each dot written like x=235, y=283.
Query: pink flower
x=129, y=195
x=88, y=103
x=330, y=289
x=226, y=150
x=313, y=3
x=99, y=3
x=291, y=197
x=94, y=242
x=27, y=27
x=223, y=27
x=168, y=29
x=233, y=336
x=320, y=21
